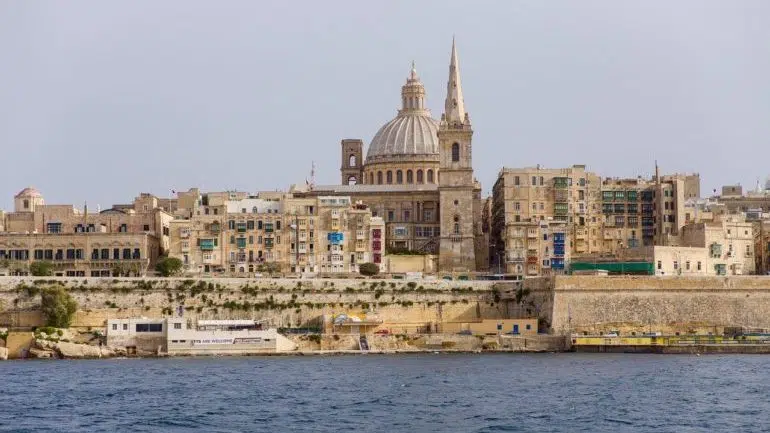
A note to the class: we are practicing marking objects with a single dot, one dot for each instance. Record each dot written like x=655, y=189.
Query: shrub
x=58, y=307
x=41, y=269
x=368, y=269
x=168, y=266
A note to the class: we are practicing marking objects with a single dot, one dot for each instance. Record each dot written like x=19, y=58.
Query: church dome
x=29, y=192
x=412, y=133
x=407, y=134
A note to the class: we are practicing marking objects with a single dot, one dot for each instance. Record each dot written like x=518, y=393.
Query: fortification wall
x=591, y=304
x=401, y=305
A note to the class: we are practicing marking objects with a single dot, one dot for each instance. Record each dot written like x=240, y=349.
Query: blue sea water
x=398, y=393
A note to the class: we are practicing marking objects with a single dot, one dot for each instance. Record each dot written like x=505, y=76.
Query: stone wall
x=405, y=306
x=592, y=304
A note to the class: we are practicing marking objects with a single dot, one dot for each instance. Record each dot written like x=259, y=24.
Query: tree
x=168, y=266
x=41, y=269
x=269, y=267
x=58, y=307
x=368, y=269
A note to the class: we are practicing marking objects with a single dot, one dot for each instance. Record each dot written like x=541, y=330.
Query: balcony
x=184, y=234
x=532, y=234
x=561, y=195
x=560, y=182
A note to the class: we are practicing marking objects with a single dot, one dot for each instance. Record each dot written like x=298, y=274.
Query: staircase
x=363, y=344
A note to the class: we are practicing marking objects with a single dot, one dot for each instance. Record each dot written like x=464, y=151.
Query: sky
x=100, y=101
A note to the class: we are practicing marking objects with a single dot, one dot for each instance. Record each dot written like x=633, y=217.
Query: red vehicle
x=382, y=332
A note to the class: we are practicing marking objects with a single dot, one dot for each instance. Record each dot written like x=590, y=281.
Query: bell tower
x=352, y=169
x=456, y=182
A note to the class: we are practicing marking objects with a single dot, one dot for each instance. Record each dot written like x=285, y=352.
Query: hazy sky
x=102, y=100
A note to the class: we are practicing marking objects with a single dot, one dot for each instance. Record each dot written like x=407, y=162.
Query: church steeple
x=454, y=106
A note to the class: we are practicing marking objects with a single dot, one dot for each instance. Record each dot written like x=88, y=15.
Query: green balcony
x=207, y=244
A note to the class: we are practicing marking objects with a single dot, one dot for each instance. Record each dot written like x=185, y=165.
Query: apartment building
x=239, y=234
x=523, y=197
x=538, y=248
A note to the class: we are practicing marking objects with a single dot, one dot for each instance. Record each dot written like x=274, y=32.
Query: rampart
x=670, y=305
x=401, y=306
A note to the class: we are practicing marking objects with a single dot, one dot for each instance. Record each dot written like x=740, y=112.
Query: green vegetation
x=41, y=269
x=58, y=307
x=270, y=268
x=168, y=266
x=368, y=269
x=315, y=338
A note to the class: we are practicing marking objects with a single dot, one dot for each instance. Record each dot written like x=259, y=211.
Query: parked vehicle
x=382, y=332
x=465, y=332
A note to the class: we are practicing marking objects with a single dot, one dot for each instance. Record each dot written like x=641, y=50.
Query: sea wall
x=404, y=305
x=670, y=305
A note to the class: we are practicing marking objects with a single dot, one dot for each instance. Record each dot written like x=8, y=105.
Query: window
x=430, y=176
x=146, y=227
x=687, y=265
x=399, y=176
x=534, y=180
x=409, y=178
x=455, y=152
x=26, y=204
x=419, y=176
x=699, y=266
x=389, y=177
x=516, y=206
x=660, y=265
x=516, y=181
x=250, y=225
x=379, y=177
x=541, y=180
x=676, y=264
x=352, y=160
x=126, y=254
x=114, y=326
x=177, y=326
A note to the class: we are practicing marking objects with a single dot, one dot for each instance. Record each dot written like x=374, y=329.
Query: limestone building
x=418, y=177
x=121, y=240
x=240, y=234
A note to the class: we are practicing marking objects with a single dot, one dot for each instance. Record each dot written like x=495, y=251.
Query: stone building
x=418, y=177
x=522, y=198
x=124, y=239
x=602, y=217
x=85, y=254
x=239, y=234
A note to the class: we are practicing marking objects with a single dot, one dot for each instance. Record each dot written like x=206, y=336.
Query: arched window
x=352, y=180
x=371, y=178
x=390, y=176
x=399, y=176
x=409, y=177
x=254, y=209
x=379, y=177
x=457, y=225
x=419, y=176
x=430, y=176
x=352, y=160
x=26, y=204
x=455, y=152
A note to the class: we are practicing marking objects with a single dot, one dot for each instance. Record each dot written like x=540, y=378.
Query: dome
x=407, y=134
x=412, y=132
x=29, y=192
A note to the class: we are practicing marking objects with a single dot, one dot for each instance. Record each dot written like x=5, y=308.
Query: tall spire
x=454, y=106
